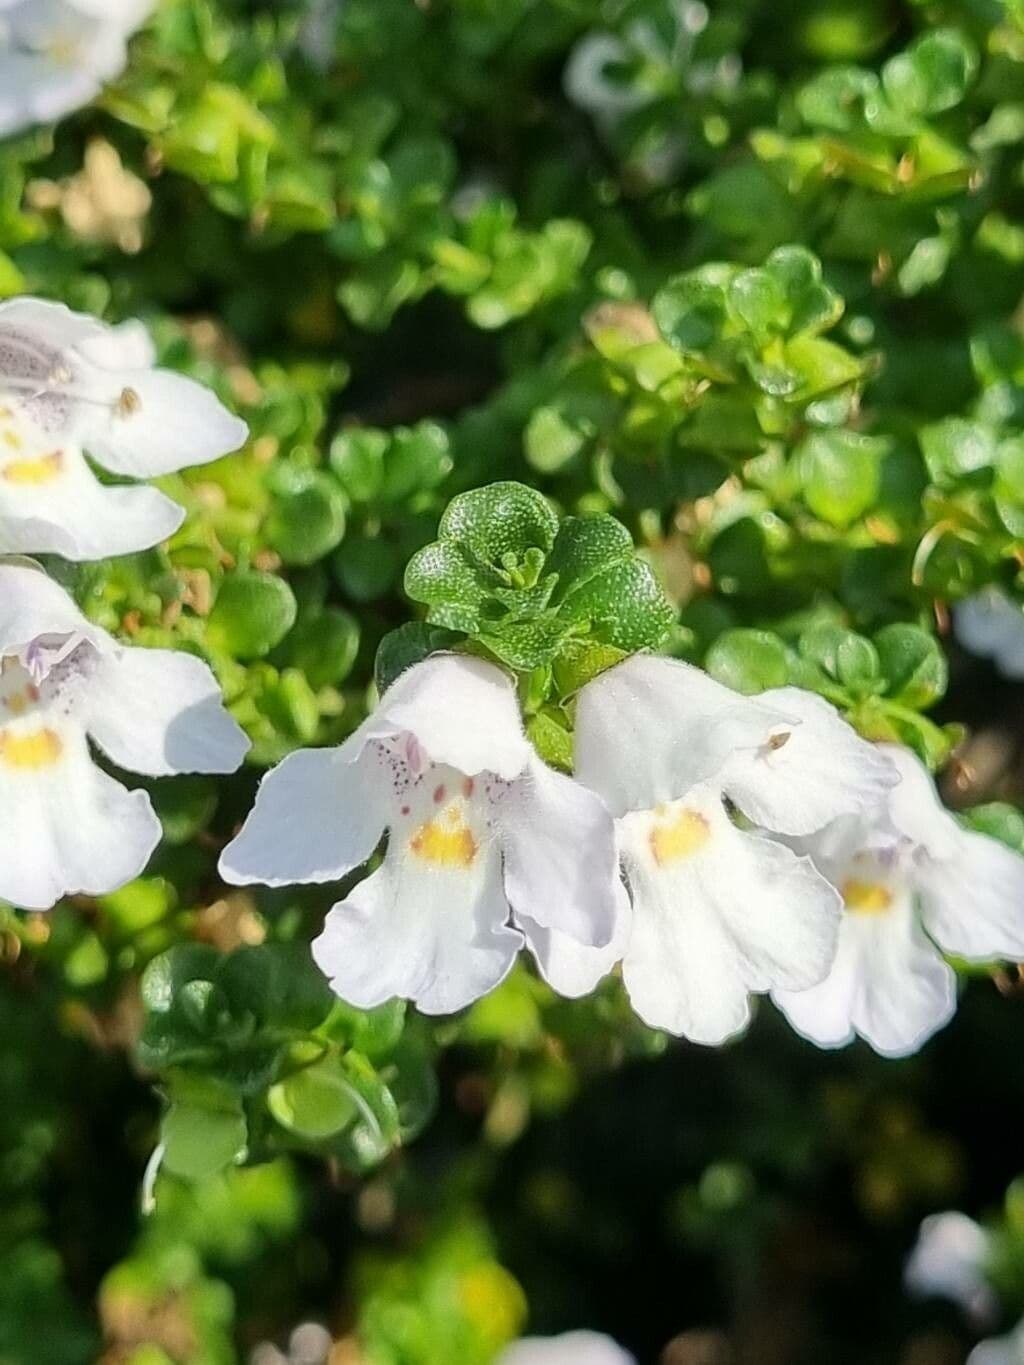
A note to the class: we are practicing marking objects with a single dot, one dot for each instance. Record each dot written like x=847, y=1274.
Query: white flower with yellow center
x=65, y=825
x=488, y=848
x=915, y=884
x=69, y=384
x=719, y=912
x=571, y=1348
x=56, y=55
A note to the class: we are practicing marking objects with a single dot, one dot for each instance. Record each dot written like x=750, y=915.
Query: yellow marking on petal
x=681, y=836
x=866, y=898
x=446, y=842
x=34, y=472
x=35, y=750
x=12, y=439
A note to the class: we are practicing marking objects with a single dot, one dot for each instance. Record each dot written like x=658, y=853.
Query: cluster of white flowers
x=56, y=55
x=68, y=384
x=718, y=846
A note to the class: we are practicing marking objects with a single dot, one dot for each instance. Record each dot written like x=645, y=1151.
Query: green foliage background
x=763, y=307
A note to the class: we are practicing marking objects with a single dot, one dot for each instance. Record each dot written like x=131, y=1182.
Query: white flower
x=572, y=1348
x=719, y=912
x=69, y=383
x=914, y=883
x=487, y=846
x=65, y=826
x=991, y=625
x=56, y=55
x=948, y=1261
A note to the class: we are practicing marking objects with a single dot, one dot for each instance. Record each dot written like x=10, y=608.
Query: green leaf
x=408, y=645
x=840, y=474
x=499, y=521
x=307, y=524
x=758, y=299
x=691, y=311
x=253, y=613
x=624, y=605
x=584, y=547
x=843, y=655
x=748, y=661
x=955, y=447
x=913, y=665
x=204, y=1130
x=316, y=1102
x=933, y=75
x=444, y=579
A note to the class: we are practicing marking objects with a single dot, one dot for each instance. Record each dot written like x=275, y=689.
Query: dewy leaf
x=583, y=547
x=441, y=576
x=624, y=605
x=499, y=520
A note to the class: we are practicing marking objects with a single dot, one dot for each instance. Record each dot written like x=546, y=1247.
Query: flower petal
x=150, y=422
x=68, y=828
x=31, y=605
x=972, y=903
x=822, y=770
x=317, y=815
x=561, y=862
x=71, y=514
x=436, y=936
x=915, y=808
x=888, y=984
x=571, y=968
x=730, y=914
x=160, y=711
x=463, y=711
x=650, y=729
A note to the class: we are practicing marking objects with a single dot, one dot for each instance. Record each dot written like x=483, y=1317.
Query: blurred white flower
x=65, y=825
x=915, y=884
x=610, y=76
x=991, y=625
x=56, y=55
x=1008, y=1350
x=319, y=31
x=572, y=1348
x=69, y=384
x=718, y=912
x=487, y=846
x=948, y=1261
